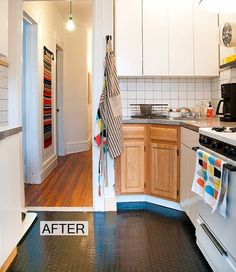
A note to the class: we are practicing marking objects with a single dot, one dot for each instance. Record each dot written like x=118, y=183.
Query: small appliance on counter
x=228, y=93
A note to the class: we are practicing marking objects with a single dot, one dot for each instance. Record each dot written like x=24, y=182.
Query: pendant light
x=219, y=6
x=70, y=25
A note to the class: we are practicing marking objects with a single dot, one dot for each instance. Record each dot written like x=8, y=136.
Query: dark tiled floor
x=125, y=241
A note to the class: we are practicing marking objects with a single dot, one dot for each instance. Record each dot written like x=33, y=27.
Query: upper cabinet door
x=206, y=59
x=128, y=41
x=155, y=37
x=181, y=38
x=4, y=28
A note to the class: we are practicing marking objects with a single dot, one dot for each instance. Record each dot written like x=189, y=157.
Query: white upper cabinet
x=128, y=40
x=155, y=37
x=165, y=38
x=181, y=38
x=4, y=28
x=206, y=59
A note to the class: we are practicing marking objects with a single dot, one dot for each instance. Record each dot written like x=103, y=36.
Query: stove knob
x=227, y=149
x=232, y=151
x=201, y=139
x=207, y=141
x=216, y=145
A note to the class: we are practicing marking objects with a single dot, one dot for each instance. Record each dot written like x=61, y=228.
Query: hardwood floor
x=69, y=185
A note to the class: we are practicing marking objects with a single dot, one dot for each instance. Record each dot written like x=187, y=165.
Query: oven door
x=223, y=229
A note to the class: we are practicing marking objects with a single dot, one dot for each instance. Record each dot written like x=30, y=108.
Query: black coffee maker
x=228, y=93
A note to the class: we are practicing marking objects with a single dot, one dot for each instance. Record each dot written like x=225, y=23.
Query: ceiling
x=81, y=11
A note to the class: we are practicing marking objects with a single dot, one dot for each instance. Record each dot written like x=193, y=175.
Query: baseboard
x=110, y=204
x=75, y=147
x=48, y=167
x=149, y=199
x=9, y=260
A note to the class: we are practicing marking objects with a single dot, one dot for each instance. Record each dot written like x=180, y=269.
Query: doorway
x=60, y=136
x=30, y=105
x=66, y=162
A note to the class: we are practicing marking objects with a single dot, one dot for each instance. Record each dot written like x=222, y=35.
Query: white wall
x=51, y=26
x=76, y=91
x=102, y=26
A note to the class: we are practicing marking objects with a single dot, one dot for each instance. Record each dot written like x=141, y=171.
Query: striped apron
x=110, y=106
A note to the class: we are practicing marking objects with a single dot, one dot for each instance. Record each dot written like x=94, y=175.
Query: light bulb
x=219, y=6
x=70, y=25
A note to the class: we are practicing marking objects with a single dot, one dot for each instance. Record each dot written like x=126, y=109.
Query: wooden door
x=164, y=170
x=132, y=167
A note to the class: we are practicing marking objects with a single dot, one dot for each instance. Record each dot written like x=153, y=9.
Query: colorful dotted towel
x=211, y=181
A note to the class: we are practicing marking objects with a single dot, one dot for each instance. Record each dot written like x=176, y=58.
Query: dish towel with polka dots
x=211, y=181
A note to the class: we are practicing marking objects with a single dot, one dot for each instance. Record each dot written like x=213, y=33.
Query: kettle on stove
x=228, y=93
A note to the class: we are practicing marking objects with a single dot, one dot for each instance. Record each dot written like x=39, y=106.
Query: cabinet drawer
x=134, y=132
x=164, y=134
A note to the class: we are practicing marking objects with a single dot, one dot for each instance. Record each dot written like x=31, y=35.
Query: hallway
x=69, y=185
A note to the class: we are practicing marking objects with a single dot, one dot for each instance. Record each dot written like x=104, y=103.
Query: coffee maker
x=228, y=94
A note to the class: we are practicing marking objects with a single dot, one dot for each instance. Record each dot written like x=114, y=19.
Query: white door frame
x=32, y=104
x=59, y=98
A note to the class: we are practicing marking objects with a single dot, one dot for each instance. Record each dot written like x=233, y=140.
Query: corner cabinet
x=165, y=38
x=150, y=162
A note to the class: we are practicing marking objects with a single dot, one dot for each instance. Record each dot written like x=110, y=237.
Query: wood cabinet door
x=164, y=170
x=132, y=167
x=128, y=23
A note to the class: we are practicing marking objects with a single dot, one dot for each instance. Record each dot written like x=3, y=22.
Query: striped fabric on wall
x=47, y=98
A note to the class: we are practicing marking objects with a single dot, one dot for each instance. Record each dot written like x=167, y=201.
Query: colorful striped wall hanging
x=47, y=98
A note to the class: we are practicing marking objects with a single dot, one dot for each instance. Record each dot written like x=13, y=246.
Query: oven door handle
x=230, y=167
x=195, y=148
x=213, y=239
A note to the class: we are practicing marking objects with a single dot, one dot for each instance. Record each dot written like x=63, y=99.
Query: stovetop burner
x=224, y=129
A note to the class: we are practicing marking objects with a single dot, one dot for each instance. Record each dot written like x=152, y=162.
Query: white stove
x=216, y=234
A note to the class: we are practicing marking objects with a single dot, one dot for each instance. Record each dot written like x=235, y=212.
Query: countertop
x=190, y=124
x=6, y=131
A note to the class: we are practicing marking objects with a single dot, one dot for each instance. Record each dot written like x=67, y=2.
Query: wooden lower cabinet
x=132, y=167
x=150, y=162
x=163, y=170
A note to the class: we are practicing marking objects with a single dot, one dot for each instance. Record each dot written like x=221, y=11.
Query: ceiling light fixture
x=70, y=25
x=219, y=6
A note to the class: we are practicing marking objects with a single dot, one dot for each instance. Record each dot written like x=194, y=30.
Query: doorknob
x=58, y=110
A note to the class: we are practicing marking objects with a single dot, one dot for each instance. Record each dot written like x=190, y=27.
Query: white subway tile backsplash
x=174, y=86
x=148, y=86
x=132, y=95
x=140, y=95
x=182, y=94
x=148, y=95
x=176, y=92
x=132, y=86
x=174, y=95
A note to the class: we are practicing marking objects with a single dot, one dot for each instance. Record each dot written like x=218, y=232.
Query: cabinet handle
x=195, y=148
